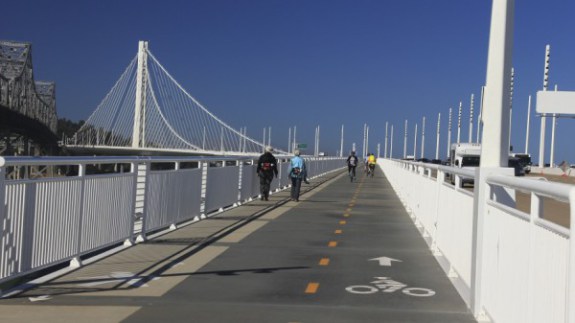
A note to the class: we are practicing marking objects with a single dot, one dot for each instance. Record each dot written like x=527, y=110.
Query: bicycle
x=370, y=170
x=351, y=172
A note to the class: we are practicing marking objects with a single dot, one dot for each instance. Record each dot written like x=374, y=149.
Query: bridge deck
x=273, y=261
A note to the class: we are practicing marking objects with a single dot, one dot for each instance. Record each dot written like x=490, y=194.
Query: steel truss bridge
x=148, y=112
x=28, y=116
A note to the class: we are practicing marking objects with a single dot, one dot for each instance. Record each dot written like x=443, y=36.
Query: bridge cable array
x=172, y=118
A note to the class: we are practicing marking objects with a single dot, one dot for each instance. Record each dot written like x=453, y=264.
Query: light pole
x=543, y=116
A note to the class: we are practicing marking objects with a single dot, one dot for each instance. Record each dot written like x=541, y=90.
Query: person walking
x=298, y=173
x=267, y=168
x=351, y=165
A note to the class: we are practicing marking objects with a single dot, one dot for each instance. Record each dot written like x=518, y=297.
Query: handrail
x=557, y=191
x=44, y=161
x=464, y=172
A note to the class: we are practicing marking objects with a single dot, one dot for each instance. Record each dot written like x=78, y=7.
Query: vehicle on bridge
x=524, y=160
x=464, y=155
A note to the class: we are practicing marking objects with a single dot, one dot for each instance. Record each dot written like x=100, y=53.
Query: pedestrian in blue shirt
x=298, y=173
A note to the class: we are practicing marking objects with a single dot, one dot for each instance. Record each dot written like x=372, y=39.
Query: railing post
x=76, y=261
x=3, y=205
x=141, y=171
x=239, y=165
x=570, y=308
x=440, y=177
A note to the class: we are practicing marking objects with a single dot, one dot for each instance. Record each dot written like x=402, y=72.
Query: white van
x=464, y=155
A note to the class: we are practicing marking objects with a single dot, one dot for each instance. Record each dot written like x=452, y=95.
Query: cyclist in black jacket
x=351, y=165
x=267, y=168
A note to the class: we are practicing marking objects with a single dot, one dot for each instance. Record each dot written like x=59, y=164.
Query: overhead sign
x=301, y=146
x=558, y=102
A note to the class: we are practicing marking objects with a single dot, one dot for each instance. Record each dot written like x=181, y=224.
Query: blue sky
x=306, y=63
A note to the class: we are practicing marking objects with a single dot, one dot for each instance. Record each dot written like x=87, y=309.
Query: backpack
x=266, y=166
x=295, y=170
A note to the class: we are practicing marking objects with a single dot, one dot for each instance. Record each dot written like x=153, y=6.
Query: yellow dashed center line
x=346, y=215
x=338, y=231
x=311, y=288
x=332, y=244
x=342, y=222
x=324, y=262
x=348, y=210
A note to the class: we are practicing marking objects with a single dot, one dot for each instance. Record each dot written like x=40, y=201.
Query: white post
x=138, y=132
x=378, y=147
x=552, y=152
x=528, y=121
x=269, y=136
x=289, y=141
x=553, y=125
x=543, y=116
x=459, y=123
x=2, y=188
x=471, y=119
x=294, y=139
x=385, y=146
x=423, y=137
x=449, y=133
x=341, y=143
x=318, y=134
x=405, y=140
x=264, y=141
x=415, y=143
x=511, y=106
x=480, y=114
x=391, y=144
x=494, y=150
x=204, y=140
x=222, y=139
x=240, y=141
x=363, y=148
x=317, y=142
x=245, y=139
x=437, y=136
x=366, y=140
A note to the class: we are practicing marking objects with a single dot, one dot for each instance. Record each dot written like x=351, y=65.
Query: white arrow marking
x=39, y=298
x=385, y=261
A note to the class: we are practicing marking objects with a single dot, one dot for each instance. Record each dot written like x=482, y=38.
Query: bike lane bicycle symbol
x=388, y=285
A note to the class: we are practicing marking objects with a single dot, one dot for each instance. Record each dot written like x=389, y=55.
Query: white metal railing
x=519, y=267
x=76, y=206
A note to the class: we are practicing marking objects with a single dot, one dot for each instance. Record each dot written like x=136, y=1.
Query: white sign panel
x=559, y=102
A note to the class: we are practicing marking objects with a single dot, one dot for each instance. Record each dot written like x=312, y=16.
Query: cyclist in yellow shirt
x=371, y=160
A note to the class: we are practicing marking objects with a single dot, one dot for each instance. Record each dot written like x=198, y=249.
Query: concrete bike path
x=347, y=252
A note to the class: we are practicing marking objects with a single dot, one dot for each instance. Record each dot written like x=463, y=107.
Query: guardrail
x=54, y=210
x=508, y=265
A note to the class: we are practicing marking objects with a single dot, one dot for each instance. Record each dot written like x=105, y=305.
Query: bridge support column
x=495, y=137
x=138, y=134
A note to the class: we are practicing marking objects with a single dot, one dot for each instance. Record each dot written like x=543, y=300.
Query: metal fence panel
x=222, y=187
x=250, y=182
x=172, y=197
x=108, y=210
